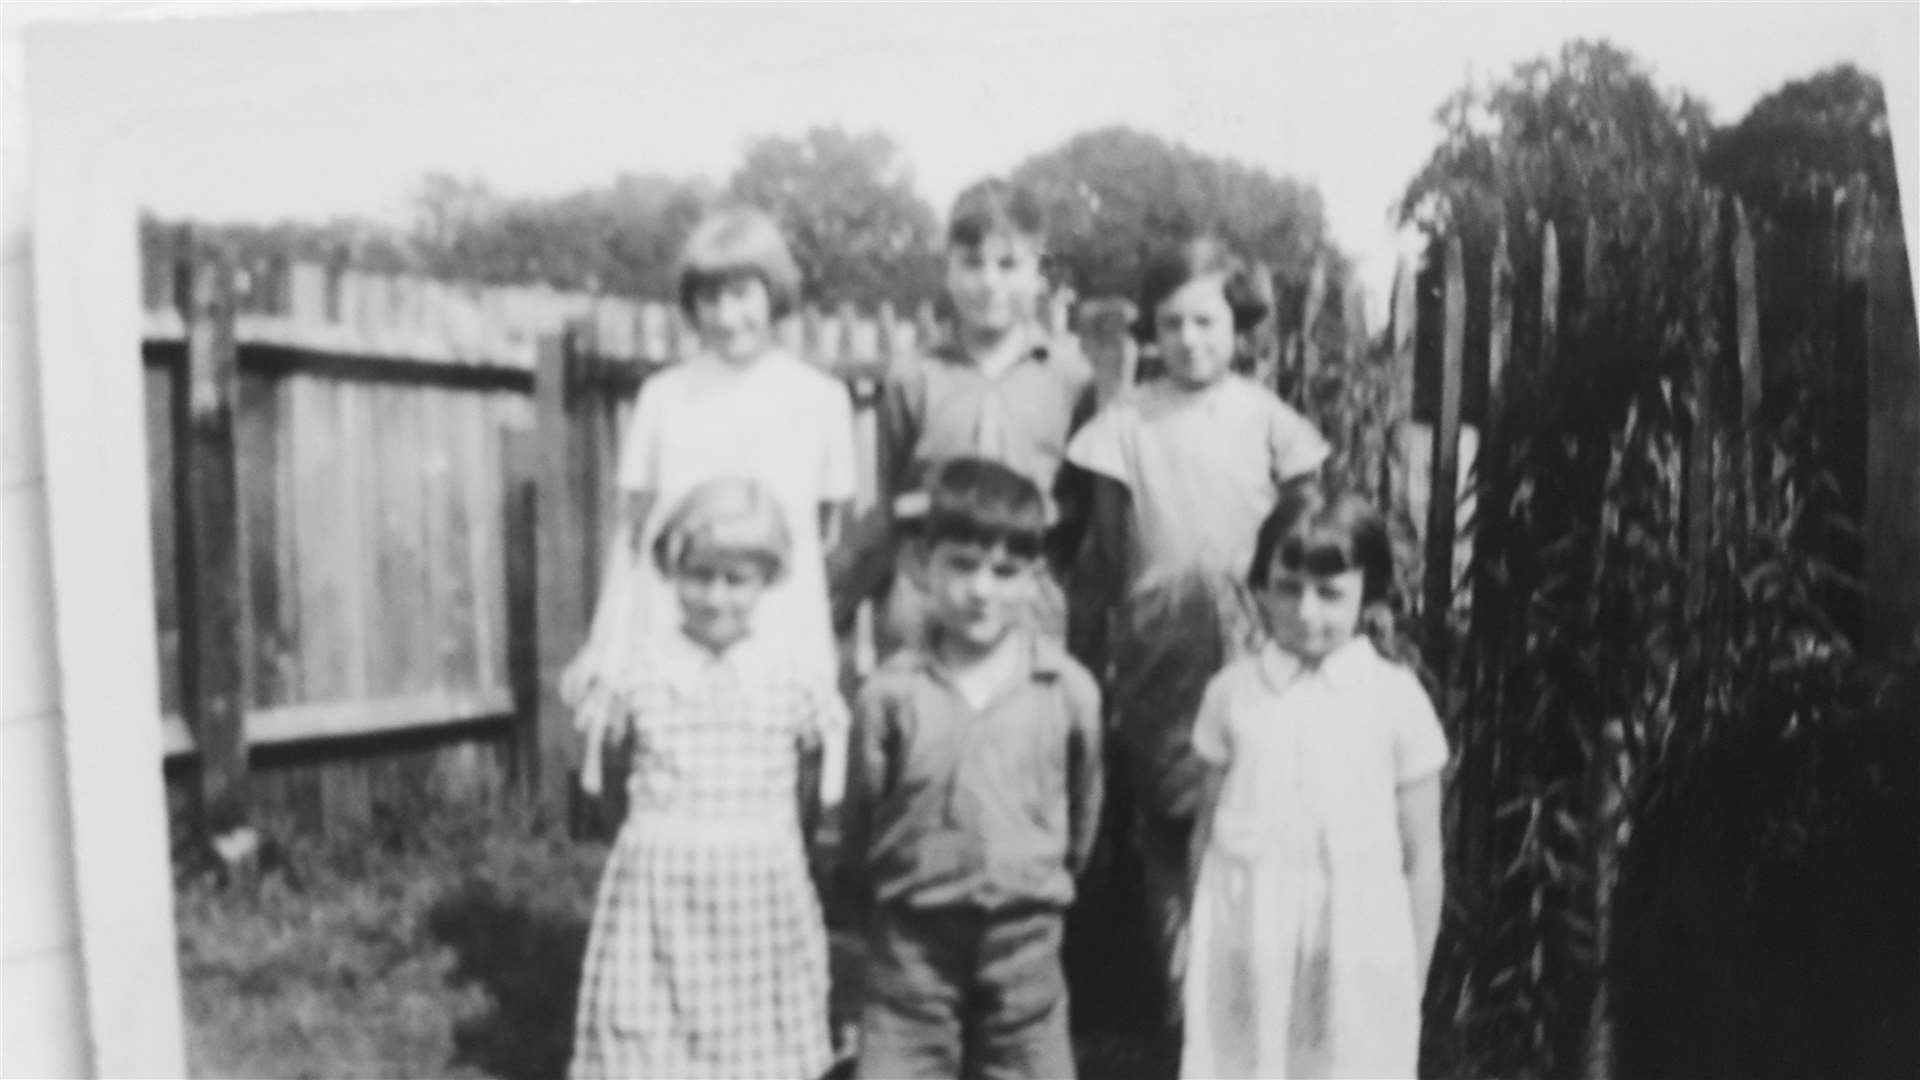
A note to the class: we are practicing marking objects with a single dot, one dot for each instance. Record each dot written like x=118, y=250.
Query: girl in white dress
x=1318, y=861
x=744, y=407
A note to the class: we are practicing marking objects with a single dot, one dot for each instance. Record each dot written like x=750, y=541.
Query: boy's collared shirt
x=989, y=808
x=941, y=405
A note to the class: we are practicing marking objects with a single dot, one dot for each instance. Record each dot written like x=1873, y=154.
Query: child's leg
x=1020, y=1029
x=916, y=979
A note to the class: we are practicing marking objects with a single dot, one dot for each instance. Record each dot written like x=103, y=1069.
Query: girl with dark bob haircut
x=1205, y=255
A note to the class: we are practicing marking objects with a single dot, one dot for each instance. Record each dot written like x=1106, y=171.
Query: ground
x=442, y=950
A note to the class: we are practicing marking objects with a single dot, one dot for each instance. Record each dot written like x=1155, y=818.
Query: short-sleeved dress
x=707, y=955
x=775, y=420
x=1303, y=957
x=1203, y=468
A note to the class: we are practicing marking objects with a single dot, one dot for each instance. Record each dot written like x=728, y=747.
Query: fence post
x=1490, y=525
x=1443, y=489
x=1405, y=314
x=561, y=566
x=1309, y=344
x=519, y=464
x=1746, y=304
x=1891, y=524
x=215, y=637
x=1549, y=307
x=1698, y=498
x=1106, y=338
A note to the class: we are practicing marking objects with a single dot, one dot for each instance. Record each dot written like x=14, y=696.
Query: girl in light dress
x=743, y=407
x=1183, y=469
x=1317, y=856
x=707, y=955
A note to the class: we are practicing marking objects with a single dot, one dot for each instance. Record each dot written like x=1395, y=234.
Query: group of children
x=1155, y=596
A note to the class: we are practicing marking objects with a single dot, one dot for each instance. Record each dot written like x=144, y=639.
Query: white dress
x=776, y=420
x=1302, y=958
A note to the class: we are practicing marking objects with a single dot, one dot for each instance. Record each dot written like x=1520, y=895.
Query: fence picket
x=1405, y=314
x=1443, y=490
x=1310, y=313
x=1698, y=498
x=213, y=683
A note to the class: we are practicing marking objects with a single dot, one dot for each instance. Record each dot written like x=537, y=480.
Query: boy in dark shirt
x=973, y=794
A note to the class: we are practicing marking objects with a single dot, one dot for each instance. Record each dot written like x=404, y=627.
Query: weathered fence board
x=215, y=622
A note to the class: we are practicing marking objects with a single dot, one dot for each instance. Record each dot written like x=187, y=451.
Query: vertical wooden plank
x=1394, y=486
x=164, y=495
x=478, y=520
x=213, y=695
x=355, y=568
x=258, y=472
x=1549, y=359
x=438, y=555
x=1310, y=315
x=1746, y=315
x=1891, y=524
x=286, y=683
x=1444, y=488
x=1106, y=338
x=560, y=562
x=518, y=466
x=1266, y=336
x=1490, y=460
x=1704, y=415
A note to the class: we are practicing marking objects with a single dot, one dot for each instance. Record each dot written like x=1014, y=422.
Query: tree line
x=1557, y=136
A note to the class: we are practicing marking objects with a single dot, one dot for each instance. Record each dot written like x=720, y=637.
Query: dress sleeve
x=1295, y=445
x=1419, y=745
x=1100, y=446
x=1212, y=736
x=640, y=452
x=838, y=480
x=823, y=723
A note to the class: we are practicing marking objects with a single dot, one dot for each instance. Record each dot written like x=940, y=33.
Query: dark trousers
x=958, y=992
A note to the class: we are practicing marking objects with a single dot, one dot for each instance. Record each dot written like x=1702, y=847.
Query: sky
x=310, y=113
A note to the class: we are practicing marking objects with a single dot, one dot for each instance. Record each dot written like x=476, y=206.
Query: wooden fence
x=357, y=597
x=343, y=471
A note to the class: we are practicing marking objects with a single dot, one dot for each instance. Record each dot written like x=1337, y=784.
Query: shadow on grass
x=526, y=956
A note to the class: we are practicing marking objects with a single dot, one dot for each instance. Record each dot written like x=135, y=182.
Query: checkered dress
x=708, y=954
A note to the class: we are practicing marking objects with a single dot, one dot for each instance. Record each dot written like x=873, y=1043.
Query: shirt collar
x=1346, y=667
x=1039, y=351
x=1045, y=657
x=682, y=661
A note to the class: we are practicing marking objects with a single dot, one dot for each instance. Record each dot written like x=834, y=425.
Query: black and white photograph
x=943, y=541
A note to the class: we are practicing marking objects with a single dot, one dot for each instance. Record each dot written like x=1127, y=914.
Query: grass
x=452, y=954
x=440, y=948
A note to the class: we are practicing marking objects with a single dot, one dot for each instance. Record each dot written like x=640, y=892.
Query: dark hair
x=733, y=241
x=973, y=500
x=1199, y=256
x=993, y=206
x=1316, y=531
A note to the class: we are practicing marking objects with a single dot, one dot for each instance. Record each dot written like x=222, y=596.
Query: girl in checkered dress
x=708, y=954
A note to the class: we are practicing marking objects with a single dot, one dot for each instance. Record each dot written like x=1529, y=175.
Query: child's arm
x=1072, y=494
x=1086, y=777
x=1099, y=575
x=866, y=771
x=1420, y=856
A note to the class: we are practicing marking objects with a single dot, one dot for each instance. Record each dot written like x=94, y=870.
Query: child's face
x=735, y=317
x=1195, y=329
x=718, y=592
x=996, y=284
x=1311, y=615
x=978, y=593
